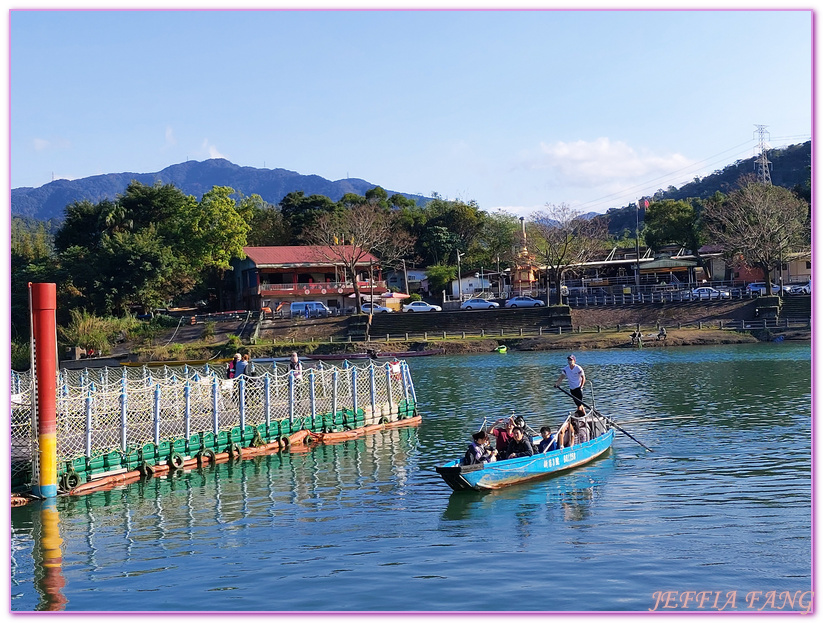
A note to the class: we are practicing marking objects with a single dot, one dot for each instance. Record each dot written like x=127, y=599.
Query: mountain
x=192, y=177
x=790, y=167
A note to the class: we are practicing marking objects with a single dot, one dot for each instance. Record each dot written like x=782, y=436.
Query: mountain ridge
x=193, y=177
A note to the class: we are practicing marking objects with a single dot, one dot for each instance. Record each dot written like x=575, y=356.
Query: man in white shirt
x=576, y=377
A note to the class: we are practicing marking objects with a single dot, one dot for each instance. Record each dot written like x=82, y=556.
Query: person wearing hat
x=577, y=379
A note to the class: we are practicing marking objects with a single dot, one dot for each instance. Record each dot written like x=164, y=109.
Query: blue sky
x=512, y=109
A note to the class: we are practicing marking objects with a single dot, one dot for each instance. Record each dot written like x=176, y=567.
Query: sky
x=512, y=109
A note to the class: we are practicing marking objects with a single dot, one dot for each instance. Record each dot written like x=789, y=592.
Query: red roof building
x=270, y=276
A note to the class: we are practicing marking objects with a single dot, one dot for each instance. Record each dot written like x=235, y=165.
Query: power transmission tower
x=762, y=163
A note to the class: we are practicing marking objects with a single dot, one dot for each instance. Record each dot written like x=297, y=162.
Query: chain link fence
x=112, y=413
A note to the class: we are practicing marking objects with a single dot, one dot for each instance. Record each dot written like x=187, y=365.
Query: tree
x=267, y=227
x=758, y=223
x=150, y=245
x=349, y=237
x=565, y=239
x=677, y=222
x=300, y=213
x=497, y=237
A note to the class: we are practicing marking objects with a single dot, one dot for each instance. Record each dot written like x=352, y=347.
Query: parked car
x=479, y=304
x=707, y=293
x=374, y=308
x=759, y=287
x=801, y=288
x=421, y=306
x=524, y=301
x=309, y=309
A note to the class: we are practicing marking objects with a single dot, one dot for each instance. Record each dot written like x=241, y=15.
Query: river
x=718, y=517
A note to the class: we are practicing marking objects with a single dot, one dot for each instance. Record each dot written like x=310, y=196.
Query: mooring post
x=215, y=402
x=267, y=400
x=373, y=391
x=43, y=305
x=89, y=403
x=157, y=414
x=354, y=390
x=124, y=410
x=334, y=394
x=187, y=408
x=241, y=400
x=291, y=396
x=312, y=395
x=388, y=386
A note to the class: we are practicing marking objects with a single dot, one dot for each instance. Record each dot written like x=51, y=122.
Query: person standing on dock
x=240, y=366
x=232, y=367
x=296, y=366
x=577, y=379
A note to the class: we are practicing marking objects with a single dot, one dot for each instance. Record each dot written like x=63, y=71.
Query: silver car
x=479, y=304
x=524, y=301
x=421, y=306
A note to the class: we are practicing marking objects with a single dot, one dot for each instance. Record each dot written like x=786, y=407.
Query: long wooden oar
x=608, y=419
x=662, y=419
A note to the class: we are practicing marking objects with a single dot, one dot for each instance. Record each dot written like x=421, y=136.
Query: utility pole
x=459, y=282
x=762, y=163
x=637, y=243
x=406, y=277
x=499, y=286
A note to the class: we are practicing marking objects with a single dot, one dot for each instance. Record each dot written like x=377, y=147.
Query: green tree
x=438, y=244
x=300, y=213
x=267, y=228
x=675, y=222
x=439, y=277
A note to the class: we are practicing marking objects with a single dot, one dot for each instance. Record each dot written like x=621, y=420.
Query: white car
x=421, y=306
x=374, y=308
x=479, y=304
x=707, y=293
x=524, y=301
x=759, y=287
x=801, y=288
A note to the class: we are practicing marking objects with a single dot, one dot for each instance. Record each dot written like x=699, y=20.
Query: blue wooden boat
x=499, y=474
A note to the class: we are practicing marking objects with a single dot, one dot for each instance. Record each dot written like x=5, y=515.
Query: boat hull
x=499, y=474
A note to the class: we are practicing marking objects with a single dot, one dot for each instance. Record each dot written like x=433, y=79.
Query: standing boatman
x=577, y=379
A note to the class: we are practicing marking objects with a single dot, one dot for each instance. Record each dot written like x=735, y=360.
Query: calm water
x=723, y=504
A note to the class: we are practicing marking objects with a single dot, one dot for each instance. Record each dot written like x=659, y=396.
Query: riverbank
x=592, y=328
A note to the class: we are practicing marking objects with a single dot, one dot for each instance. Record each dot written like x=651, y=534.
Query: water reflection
x=722, y=502
x=48, y=559
x=572, y=493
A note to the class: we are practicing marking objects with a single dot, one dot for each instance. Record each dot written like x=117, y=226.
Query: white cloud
x=40, y=144
x=211, y=150
x=171, y=141
x=601, y=162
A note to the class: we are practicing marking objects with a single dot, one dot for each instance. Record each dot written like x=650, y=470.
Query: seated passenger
x=519, y=446
x=581, y=431
x=502, y=435
x=548, y=443
x=565, y=435
x=478, y=450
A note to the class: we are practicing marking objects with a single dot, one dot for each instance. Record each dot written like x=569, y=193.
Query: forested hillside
x=791, y=168
x=193, y=178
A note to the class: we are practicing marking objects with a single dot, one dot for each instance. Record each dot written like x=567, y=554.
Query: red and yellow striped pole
x=44, y=331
